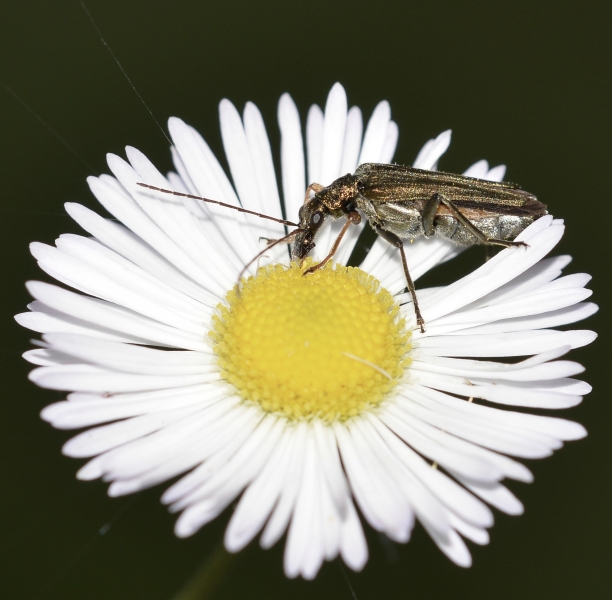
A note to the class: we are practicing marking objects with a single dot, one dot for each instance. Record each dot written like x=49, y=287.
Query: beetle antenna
x=238, y=208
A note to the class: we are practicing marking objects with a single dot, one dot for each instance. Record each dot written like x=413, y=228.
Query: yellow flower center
x=330, y=344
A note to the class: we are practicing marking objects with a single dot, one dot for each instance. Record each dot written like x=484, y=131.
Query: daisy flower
x=313, y=403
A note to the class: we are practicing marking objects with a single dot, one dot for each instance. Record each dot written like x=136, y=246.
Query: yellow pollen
x=330, y=344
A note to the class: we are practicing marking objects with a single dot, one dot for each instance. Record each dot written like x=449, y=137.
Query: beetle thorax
x=339, y=194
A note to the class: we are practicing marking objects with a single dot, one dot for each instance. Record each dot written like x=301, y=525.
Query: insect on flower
x=179, y=365
x=404, y=203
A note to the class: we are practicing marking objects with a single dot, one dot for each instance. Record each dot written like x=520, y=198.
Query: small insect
x=403, y=204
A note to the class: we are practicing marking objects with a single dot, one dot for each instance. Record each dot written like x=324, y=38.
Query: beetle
x=404, y=203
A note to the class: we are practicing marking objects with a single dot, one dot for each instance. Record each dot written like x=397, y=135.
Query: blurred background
x=526, y=84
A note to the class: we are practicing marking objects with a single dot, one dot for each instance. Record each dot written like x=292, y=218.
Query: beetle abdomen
x=499, y=227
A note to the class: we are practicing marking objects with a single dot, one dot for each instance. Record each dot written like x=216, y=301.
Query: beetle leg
x=267, y=240
x=394, y=240
x=482, y=237
x=313, y=188
x=354, y=218
x=429, y=213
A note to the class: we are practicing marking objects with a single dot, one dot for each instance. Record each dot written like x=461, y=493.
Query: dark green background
x=523, y=83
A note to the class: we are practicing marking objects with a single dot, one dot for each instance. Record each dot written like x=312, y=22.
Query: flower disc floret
x=330, y=344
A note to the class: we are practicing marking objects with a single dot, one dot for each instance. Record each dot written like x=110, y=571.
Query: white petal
x=330, y=463
x=390, y=144
x=331, y=521
x=222, y=438
x=353, y=546
x=46, y=320
x=101, y=439
x=108, y=317
x=211, y=182
x=137, y=465
x=479, y=433
x=478, y=170
x=496, y=173
x=503, y=464
x=536, y=304
x=480, y=369
x=334, y=132
x=132, y=247
x=469, y=531
x=448, y=493
x=374, y=487
x=83, y=410
x=453, y=546
x=277, y=524
x=519, y=343
x=376, y=134
x=131, y=359
x=304, y=550
x=515, y=394
x=522, y=423
x=432, y=151
x=314, y=143
x=121, y=291
x=352, y=146
x=243, y=466
x=248, y=151
x=532, y=279
x=182, y=219
x=465, y=463
x=46, y=357
x=259, y=499
x=542, y=236
x=292, y=156
x=87, y=378
x=261, y=155
x=352, y=141
x=496, y=495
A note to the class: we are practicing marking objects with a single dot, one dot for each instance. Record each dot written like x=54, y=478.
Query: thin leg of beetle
x=351, y=218
x=287, y=239
x=313, y=187
x=267, y=240
x=432, y=206
x=397, y=242
x=429, y=214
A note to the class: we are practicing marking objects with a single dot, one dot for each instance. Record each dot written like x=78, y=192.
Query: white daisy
x=301, y=398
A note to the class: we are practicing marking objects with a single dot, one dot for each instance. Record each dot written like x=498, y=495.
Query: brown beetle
x=404, y=203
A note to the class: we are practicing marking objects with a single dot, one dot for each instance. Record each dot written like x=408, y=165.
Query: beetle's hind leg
x=431, y=208
x=394, y=240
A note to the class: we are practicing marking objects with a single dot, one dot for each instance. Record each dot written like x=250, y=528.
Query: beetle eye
x=315, y=219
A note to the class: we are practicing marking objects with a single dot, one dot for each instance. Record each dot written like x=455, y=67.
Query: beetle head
x=312, y=216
